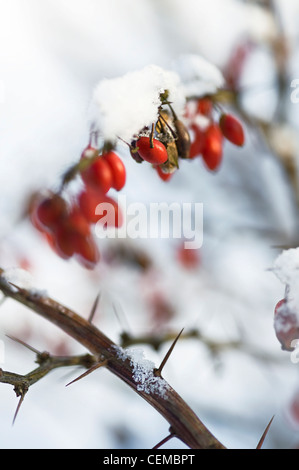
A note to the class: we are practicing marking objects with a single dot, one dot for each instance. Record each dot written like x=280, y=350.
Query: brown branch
x=155, y=390
x=47, y=363
x=215, y=347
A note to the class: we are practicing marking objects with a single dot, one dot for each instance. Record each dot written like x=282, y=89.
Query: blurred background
x=52, y=55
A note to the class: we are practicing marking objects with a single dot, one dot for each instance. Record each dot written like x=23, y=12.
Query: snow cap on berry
x=122, y=106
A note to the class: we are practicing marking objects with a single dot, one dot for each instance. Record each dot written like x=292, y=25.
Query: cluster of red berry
x=208, y=138
x=67, y=225
x=202, y=135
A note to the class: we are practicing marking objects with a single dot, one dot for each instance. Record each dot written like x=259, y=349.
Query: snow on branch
x=143, y=372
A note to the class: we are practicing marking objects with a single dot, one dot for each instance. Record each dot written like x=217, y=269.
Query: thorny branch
x=184, y=424
x=46, y=363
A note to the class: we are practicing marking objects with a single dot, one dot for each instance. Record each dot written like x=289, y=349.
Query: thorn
x=158, y=371
x=166, y=439
x=20, y=289
x=261, y=441
x=122, y=321
x=93, y=368
x=94, y=307
x=31, y=348
x=18, y=407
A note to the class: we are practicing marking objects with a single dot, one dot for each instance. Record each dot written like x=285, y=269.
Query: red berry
x=50, y=238
x=118, y=170
x=77, y=222
x=162, y=175
x=88, y=202
x=98, y=175
x=205, y=106
x=109, y=213
x=197, y=141
x=65, y=242
x=232, y=129
x=51, y=211
x=156, y=154
x=69, y=242
x=286, y=325
x=87, y=252
x=212, y=147
x=279, y=304
x=188, y=258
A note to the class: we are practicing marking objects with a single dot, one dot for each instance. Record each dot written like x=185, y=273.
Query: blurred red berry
x=118, y=169
x=65, y=241
x=232, y=129
x=204, y=106
x=188, y=258
x=286, y=325
x=87, y=252
x=156, y=154
x=50, y=211
x=89, y=204
x=162, y=175
x=197, y=141
x=234, y=68
x=88, y=201
x=108, y=212
x=212, y=147
x=279, y=305
x=77, y=223
x=98, y=175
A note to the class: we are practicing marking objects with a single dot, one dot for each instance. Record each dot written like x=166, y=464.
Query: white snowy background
x=52, y=55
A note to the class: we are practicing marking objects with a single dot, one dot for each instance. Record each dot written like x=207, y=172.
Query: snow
x=18, y=277
x=143, y=372
x=286, y=268
x=123, y=106
x=199, y=76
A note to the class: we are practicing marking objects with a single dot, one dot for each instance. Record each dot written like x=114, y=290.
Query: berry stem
x=152, y=136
